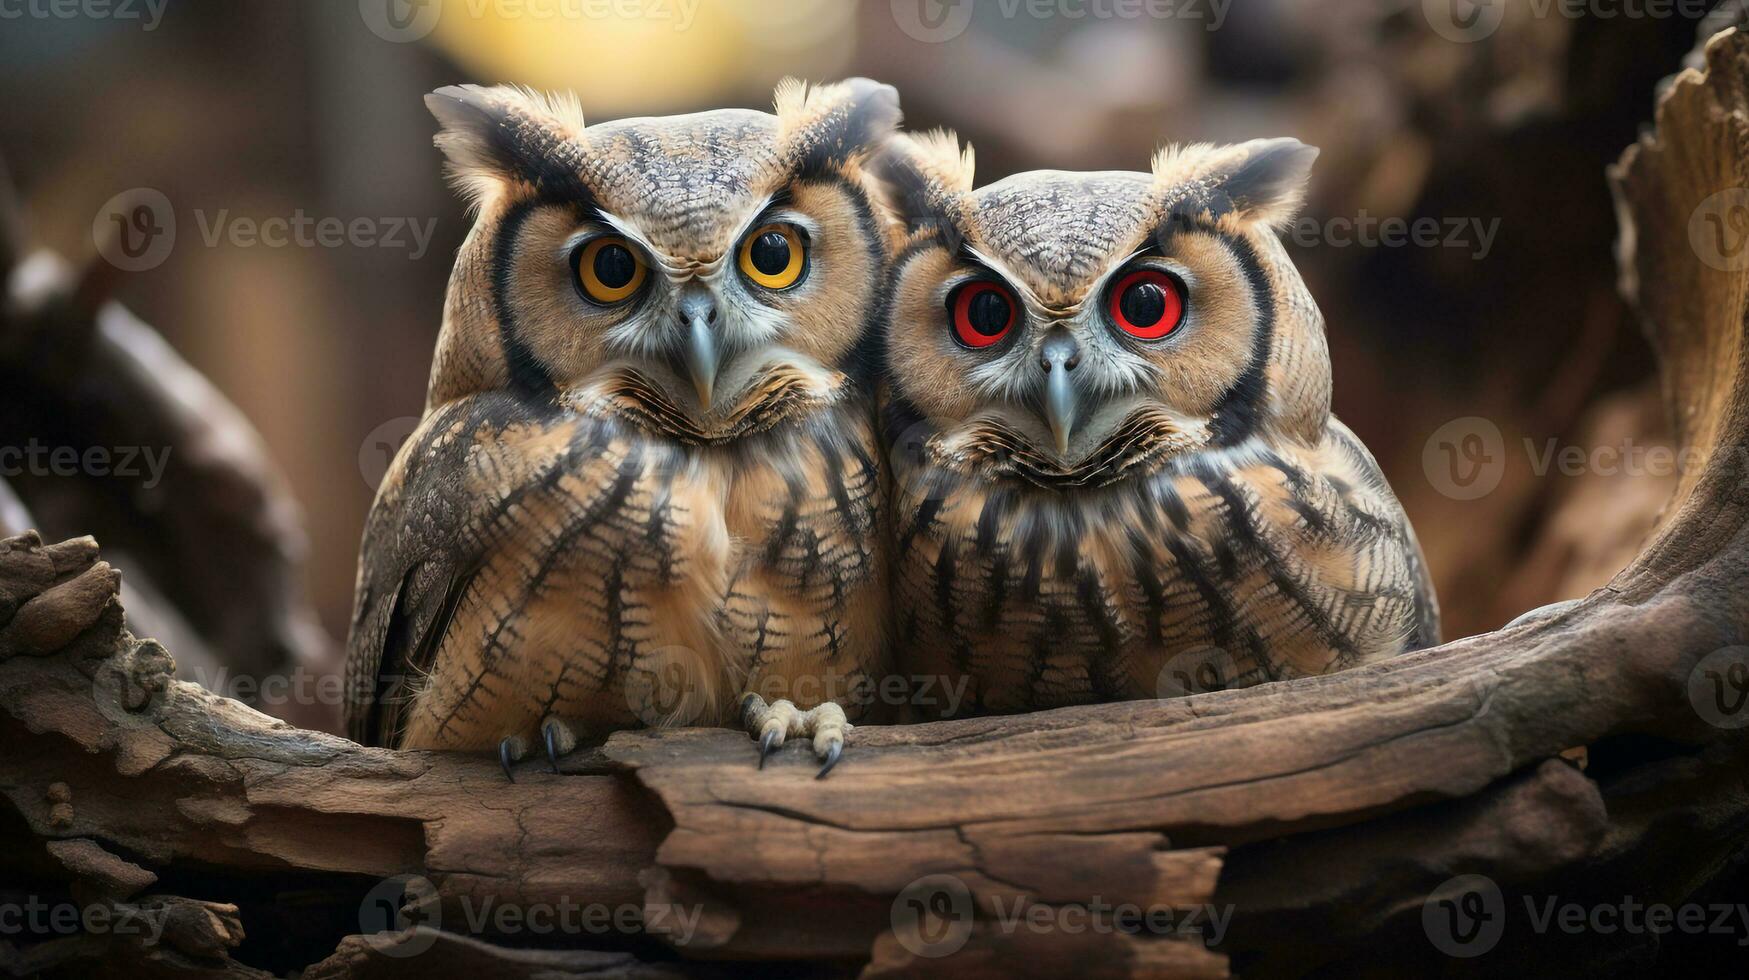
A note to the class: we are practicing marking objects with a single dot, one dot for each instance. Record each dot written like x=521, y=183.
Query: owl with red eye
x=1106, y=403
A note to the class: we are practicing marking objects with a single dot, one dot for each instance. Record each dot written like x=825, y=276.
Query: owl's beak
x=1060, y=355
x=697, y=312
x=1060, y=407
x=702, y=358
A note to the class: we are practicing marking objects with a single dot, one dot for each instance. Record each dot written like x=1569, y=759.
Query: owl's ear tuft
x=923, y=176
x=823, y=127
x=503, y=134
x=1260, y=180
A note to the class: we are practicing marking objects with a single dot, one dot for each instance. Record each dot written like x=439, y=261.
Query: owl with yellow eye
x=647, y=487
x=1107, y=406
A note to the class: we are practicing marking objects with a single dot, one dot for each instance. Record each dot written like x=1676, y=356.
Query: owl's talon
x=772, y=724
x=551, y=731
x=504, y=756
x=834, y=752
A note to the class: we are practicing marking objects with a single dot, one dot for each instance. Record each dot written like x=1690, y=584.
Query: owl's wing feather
x=422, y=547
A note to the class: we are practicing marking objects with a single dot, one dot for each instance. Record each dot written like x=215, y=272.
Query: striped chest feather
x=1216, y=569
x=626, y=578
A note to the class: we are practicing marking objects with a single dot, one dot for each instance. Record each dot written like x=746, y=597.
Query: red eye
x=982, y=312
x=1147, y=304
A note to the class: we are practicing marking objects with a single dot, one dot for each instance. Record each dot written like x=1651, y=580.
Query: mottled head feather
x=1261, y=180
x=825, y=126
x=924, y=176
x=492, y=135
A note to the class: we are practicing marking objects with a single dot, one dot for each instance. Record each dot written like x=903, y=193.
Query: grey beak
x=1060, y=407
x=1058, y=356
x=702, y=358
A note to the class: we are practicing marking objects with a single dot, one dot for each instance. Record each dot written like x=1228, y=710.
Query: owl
x=647, y=486
x=1106, y=401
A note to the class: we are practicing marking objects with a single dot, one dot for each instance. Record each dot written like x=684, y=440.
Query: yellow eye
x=774, y=256
x=608, y=269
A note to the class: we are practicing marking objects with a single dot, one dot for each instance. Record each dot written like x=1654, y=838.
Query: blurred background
x=1459, y=234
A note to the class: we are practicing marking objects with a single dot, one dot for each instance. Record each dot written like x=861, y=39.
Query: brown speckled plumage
x=1208, y=523
x=574, y=533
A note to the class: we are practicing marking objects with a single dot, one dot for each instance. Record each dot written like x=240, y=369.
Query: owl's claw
x=773, y=723
x=834, y=752
x=505, y=757
x=551, y=731
x=559, y=740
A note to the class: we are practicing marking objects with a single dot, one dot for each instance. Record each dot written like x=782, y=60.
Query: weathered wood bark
x=212, y=537
x=1301, y=827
